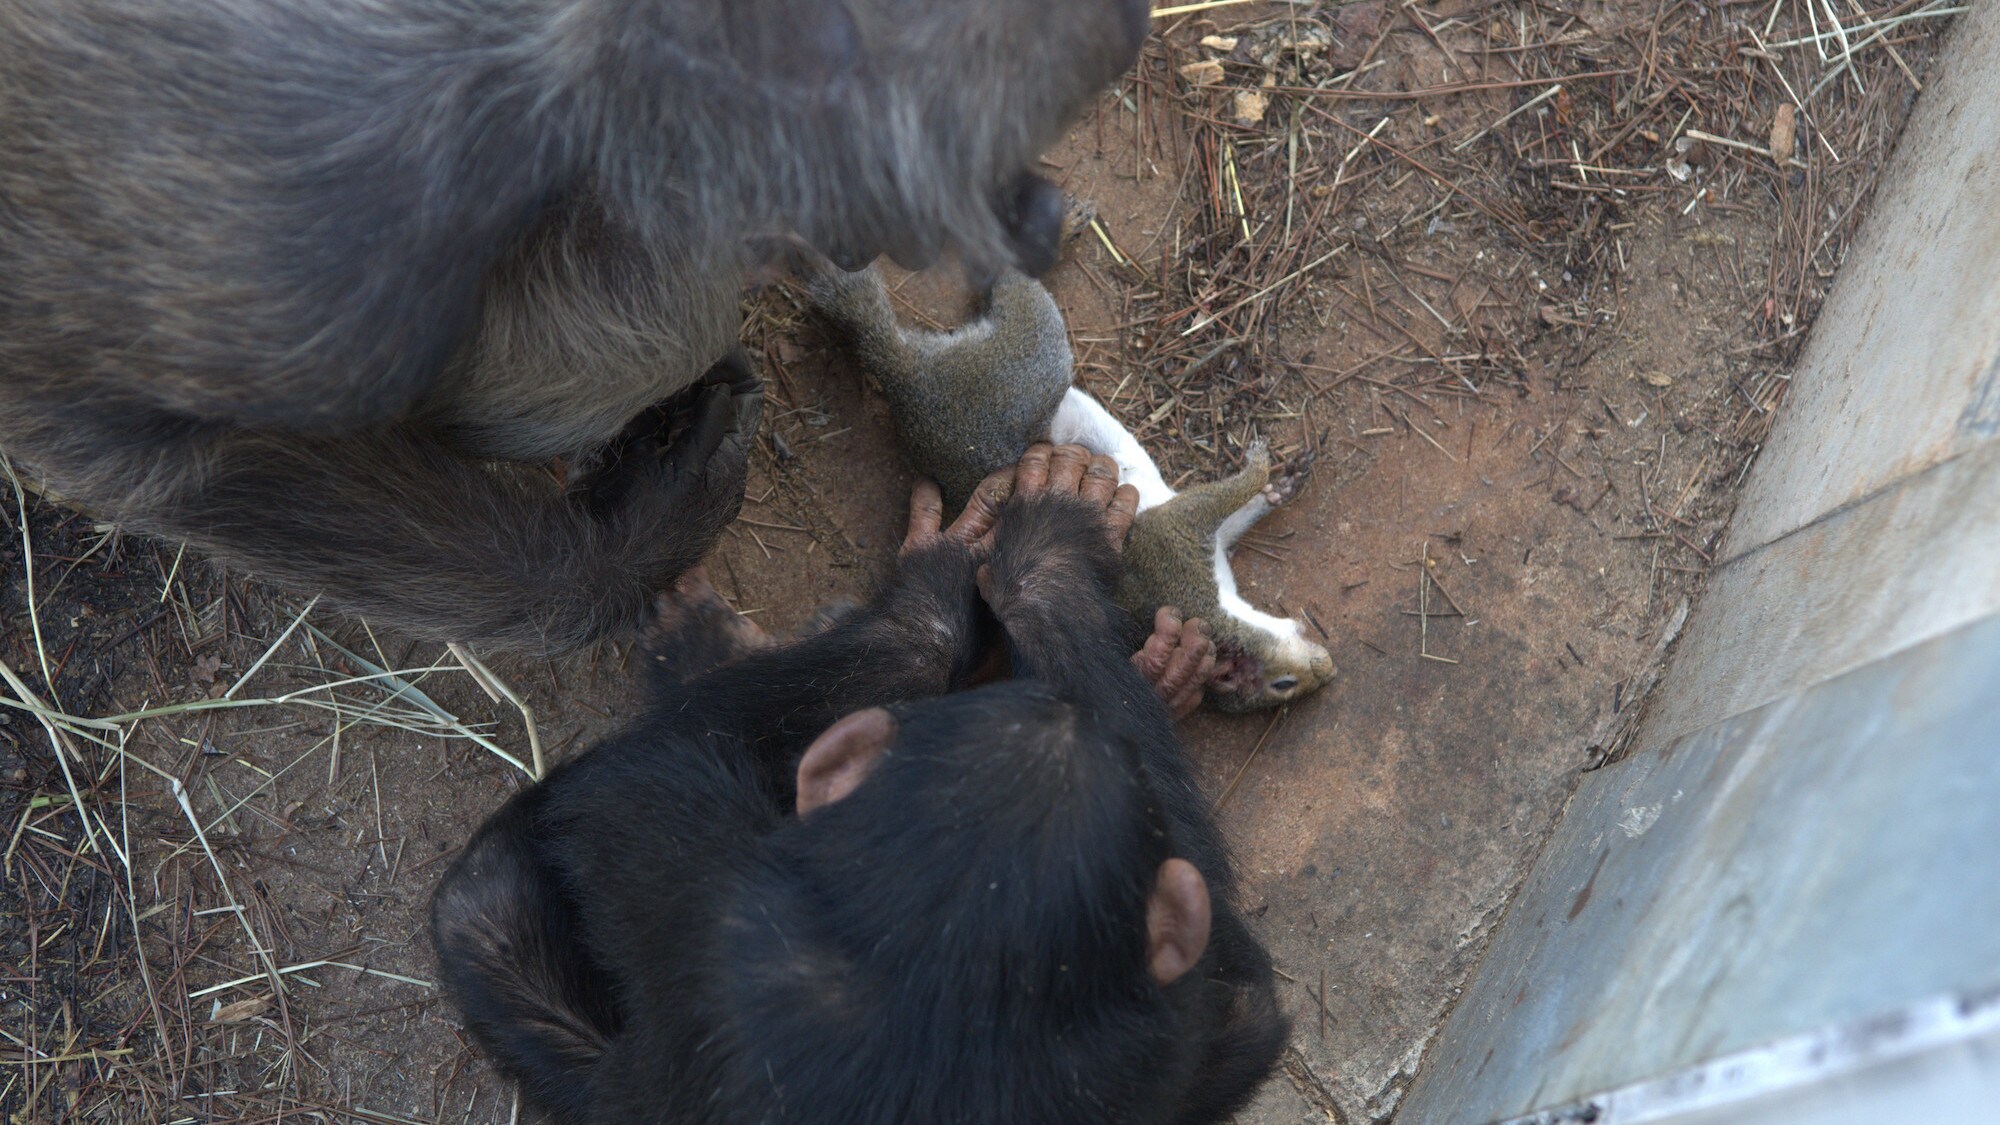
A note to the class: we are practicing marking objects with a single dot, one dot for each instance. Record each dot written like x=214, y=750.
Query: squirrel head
x=1257, y=668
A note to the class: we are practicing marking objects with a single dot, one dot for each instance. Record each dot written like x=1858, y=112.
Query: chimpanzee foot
x=1078, y=214
x=694, y=630
x=1178, y=660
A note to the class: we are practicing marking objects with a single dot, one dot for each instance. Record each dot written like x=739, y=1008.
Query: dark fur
x=960, y=940
x=287, y=279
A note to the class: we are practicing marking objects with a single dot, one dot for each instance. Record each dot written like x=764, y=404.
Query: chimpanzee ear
x=1176, y=921
x=840, y=758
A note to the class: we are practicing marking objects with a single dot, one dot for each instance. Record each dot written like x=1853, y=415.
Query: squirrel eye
x=1285, y=683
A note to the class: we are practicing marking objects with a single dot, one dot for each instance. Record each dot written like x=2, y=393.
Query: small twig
x=497, y=688
x=1314, y=264
x=303, y=967
x=228, y=895
x=28, y=567
x=1205, y=5
x=1418, y=430
x=1251, y=757
x=59, y=743
x=1745, y=146
x=275, y=645
x=1517, y=111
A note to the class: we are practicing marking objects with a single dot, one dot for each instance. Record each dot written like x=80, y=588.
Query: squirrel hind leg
x=1277, y=663
x=1260, y=487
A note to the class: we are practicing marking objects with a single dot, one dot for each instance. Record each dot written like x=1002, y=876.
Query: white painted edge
x=1787, y=1064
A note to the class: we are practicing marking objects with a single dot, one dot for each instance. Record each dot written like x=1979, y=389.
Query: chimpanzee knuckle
x=749, y=413
x=724, y=483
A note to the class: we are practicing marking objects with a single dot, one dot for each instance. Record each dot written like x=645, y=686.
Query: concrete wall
x=1785, y=904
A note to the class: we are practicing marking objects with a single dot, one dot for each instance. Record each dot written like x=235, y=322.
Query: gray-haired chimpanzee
x=820, y=884
x=310, y=284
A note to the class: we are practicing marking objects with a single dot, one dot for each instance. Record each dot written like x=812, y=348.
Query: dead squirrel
x=967, y=402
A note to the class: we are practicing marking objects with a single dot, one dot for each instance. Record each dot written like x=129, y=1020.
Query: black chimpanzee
x=819, y=883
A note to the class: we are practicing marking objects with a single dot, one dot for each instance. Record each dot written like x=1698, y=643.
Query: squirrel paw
x=1288, y=479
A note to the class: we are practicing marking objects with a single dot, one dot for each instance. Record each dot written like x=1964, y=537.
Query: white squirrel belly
x=1232, y=603
x=1082, y=420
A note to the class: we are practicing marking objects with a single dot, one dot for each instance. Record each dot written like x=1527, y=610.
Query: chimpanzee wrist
x=932, y=606
x=1057, y=546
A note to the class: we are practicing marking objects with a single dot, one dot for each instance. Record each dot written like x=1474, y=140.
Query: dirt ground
x=1531, y=338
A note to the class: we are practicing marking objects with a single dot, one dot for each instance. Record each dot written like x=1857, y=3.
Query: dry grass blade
x=59, y=744
x=306, y=966
x=1205, y=5
x=28, y=565
x=497, y=689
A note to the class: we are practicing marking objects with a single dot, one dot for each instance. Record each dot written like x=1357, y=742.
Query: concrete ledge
x=1814, y=862
x=1903, y=369
x=1929, y=1061
x=1873, y=579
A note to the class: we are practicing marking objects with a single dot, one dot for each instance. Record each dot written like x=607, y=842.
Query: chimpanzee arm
x=396, y=527
x=923, y=635
x=1050, y=583
x=391, y=524
x=510, y=954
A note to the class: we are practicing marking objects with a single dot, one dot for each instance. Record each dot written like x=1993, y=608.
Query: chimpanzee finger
x=1119, y=514
x=982, y=508
x=734, y=371
x=709, y=424
x=1031, y=476
x=1152, y=657
x=983, y=579
x=1066, y=465
x=926, y=514
x=1198, y=687
x=1211, y=655
x=1188, y=671
x=737, y=375
x=1100, y=481
x=748, y=399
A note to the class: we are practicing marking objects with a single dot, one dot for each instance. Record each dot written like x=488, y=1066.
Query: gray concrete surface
x=1804, y=837
x=1817, y=861
x=1902, y=371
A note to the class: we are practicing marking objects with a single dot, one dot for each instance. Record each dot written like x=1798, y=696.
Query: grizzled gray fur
x=311, y=286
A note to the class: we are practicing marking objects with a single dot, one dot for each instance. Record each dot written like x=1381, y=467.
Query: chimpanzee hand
x=1072, y=470
x=1065, y=470
x=675, y=476
x=974, y=525
x=1177, y=659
